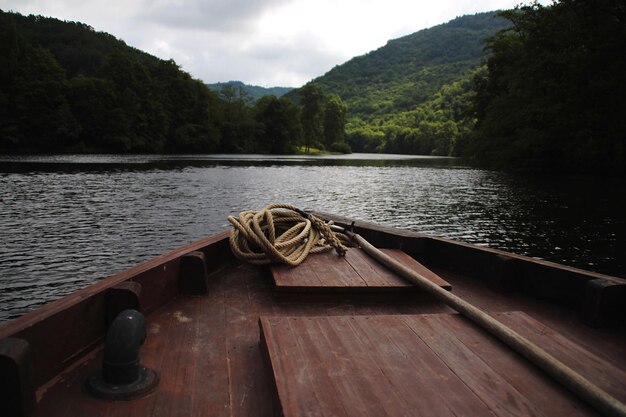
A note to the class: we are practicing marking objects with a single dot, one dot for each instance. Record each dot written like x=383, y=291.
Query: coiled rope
x=282, y=233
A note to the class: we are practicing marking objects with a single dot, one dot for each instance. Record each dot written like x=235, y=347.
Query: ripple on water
x=63, y=229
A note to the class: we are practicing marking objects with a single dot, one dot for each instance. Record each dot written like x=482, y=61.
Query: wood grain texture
x=206, y=350
x=355, y=271
x=418, y=365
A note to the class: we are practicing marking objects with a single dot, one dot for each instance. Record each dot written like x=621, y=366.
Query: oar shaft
x=585, y=389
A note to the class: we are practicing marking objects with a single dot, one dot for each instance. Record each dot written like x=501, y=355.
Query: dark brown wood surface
x=355, y=271
x=420, y=365
x=207, y=352
x=206, y=349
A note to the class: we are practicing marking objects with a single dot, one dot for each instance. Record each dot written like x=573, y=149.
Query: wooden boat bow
x=252, y=346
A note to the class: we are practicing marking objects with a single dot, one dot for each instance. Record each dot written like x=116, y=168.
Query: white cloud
x=265, y=42
x=210, y=15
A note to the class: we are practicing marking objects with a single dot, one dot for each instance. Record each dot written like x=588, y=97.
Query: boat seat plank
x=355, y=271
x=438, y=364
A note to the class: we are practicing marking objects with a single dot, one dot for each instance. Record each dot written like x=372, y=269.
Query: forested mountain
x=67, y=88
x=409, y=70
x=549, y=94
x=251, y=92
x=387, y=91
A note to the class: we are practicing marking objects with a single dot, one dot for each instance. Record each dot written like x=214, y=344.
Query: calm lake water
x=67, y=221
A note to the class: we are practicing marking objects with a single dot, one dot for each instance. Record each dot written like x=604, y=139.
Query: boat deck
x=209, y=353
x=434, y=364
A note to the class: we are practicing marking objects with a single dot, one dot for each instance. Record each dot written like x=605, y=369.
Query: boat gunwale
x=361, y=226
x=40, y=314
x=11, y=327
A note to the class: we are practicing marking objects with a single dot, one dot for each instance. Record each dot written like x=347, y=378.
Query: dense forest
x=537, y=88
x=413, y=94
x=67, y=88
x=553, y=98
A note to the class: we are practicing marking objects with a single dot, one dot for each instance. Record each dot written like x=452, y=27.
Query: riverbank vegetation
x=67, y=88
x=553, y=98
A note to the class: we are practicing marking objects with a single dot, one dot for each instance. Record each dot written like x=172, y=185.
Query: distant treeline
x=554, y=94
x=255, y=92
x=66, y=88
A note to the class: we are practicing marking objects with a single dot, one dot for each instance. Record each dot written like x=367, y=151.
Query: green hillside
x=254, y=92
x=394, y=92
x=408, y=70
x=65, y=87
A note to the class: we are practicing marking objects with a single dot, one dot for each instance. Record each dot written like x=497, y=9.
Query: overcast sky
x=262, y=42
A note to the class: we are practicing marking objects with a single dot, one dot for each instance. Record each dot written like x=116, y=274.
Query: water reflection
x=99, y=163
x=67, y=221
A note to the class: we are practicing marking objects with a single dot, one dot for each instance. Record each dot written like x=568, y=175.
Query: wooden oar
x=575, y=382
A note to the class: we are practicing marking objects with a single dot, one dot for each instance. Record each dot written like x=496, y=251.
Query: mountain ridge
x=411, y=95
x=255, y=91
x=411, y=68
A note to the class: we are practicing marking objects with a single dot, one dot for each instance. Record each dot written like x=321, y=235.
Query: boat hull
x=63, y=340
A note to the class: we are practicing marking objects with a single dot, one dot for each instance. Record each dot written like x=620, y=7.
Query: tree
x=67, y=88
x=280, y=128
x=334, y=120
x=311, y=116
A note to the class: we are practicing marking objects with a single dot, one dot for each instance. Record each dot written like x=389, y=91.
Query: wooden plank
x=372, y=273
x=354, y=360
x=247, y=387
x=424, y=383
x=417, y=365
x=305, y=367
x=315, y=350
x=165, y=361
x=589, y=365
x=355, y=271
x=408, y=261
x=493, y=390
x=333, y=270
x=306, y=276
x=356, y=381
x=552, y=399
